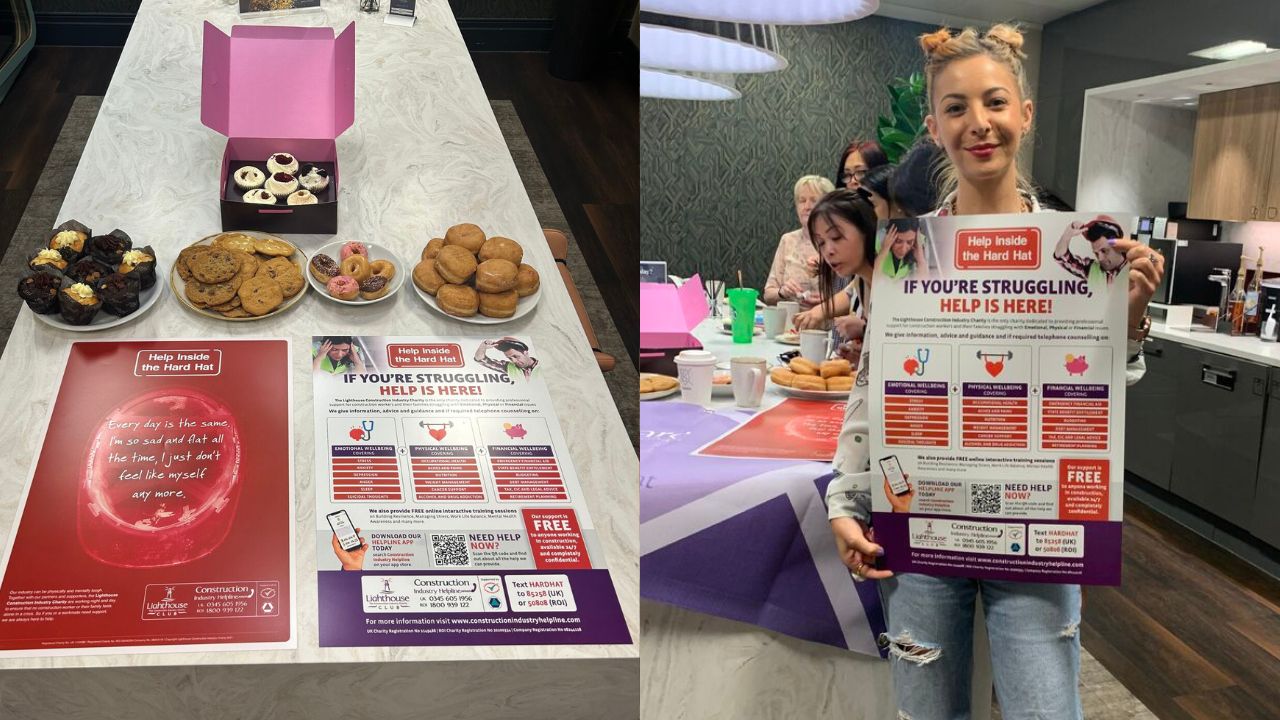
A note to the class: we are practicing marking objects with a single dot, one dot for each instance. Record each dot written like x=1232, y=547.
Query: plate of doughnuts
x=354, y=273
x=476, y=278
x=801, y=378
x=654, y=386
x=239, y=276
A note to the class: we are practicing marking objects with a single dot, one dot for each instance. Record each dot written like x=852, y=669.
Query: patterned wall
x=716, y=177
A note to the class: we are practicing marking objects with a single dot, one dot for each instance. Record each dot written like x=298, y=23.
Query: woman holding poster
x=979, y=113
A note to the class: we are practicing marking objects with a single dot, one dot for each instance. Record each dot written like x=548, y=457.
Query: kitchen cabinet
x=1150, y=406
x=1235, y=168
x=1265, y=524
x=1218, y=422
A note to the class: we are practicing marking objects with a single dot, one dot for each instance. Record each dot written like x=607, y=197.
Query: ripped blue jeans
x=1034, y=633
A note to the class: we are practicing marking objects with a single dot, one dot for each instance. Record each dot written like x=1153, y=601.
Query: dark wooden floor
x=1193, y=632
x=586, y=135
x=32, y=114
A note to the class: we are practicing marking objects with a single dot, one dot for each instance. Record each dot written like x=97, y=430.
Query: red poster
x=791, y=430
x=159, y=512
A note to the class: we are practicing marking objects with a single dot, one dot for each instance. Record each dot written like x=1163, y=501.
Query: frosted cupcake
x=314, y=178
x=302, y=197
x=281, y=184
x=250, y=177
x=282, y=163
x=261, y=197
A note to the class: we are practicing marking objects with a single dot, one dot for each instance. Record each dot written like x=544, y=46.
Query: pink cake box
x=243, y=96
x=668, y=316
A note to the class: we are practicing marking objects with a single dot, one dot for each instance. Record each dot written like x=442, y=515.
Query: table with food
x=229, y=240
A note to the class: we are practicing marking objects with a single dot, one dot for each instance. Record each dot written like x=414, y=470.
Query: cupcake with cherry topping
x=139, y=263
x=281, y=184
x=260, y=197
x=39, y=290
x=78, y=302
x=249, y=178
x=314, y=178
x=282, y=163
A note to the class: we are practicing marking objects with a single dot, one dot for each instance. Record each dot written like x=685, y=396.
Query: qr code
x=984, y=499
x=450, y=550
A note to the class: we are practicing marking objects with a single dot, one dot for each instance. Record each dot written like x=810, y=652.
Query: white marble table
x=425, y=152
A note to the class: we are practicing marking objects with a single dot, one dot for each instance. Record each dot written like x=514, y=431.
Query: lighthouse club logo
x=380, y=594
x=161, y=603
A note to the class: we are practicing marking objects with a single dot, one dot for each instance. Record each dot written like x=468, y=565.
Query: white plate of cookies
x=355, y=273
x=654, y=386
x=239, y=276
x=830, y=380
x=475, y=278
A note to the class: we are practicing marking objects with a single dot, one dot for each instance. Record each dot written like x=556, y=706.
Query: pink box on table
x=274, y=89
x=668, y=316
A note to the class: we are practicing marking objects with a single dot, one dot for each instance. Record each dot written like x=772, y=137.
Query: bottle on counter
x=1268, y=333
x=1235, y=303
x=1252, y=298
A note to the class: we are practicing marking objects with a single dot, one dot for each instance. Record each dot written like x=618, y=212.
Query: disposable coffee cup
x=695, y=369
x=747, y=374
x=792, y=308
x=775, y=321
x=815, y=345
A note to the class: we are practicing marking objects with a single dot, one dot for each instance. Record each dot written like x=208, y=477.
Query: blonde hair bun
x=1008, y=35
x=930, y=42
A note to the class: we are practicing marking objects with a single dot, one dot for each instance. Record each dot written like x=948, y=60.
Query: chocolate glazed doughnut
x=324, y=268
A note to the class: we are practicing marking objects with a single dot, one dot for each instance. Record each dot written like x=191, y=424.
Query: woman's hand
x=791, y=290
x=851, y=327
x=1146, y=269
x=900, y=503
x=812, y=319
x=856, y=550
x=325, y=347
x=851, y=351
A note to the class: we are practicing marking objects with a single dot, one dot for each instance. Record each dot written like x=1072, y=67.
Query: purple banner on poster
x=1072, y=390
x=899, y=387
x=360, y=609
x=994, y=390
x=1050, y=551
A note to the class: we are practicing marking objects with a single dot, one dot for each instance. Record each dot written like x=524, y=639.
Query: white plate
x=811, y=394
x=179, y=286
x=523, y=306
x=725, y=390
x=788, y=339
x=104, y=319
x=376, y=252
x=653, y=395
x=759, y=331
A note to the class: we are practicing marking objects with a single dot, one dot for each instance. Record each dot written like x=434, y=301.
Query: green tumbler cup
x=743, y=303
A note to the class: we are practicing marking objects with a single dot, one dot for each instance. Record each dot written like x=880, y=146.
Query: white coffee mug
x=792, y=308
x=696, y=368
x=775, y=321
x=747, y=374
x=815, y=345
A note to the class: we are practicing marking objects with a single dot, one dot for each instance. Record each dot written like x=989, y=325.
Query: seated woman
x=845, y=229
x=857, y=159
x=791, y=277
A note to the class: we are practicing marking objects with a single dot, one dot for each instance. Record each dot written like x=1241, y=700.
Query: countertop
x=425, y=153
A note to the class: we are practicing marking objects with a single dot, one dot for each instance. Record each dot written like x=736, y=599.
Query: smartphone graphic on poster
x=344, y=529
x=893, y=473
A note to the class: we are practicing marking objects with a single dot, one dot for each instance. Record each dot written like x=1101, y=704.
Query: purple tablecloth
x=746, y=540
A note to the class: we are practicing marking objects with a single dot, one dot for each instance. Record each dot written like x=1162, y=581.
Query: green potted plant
x=905, y=123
